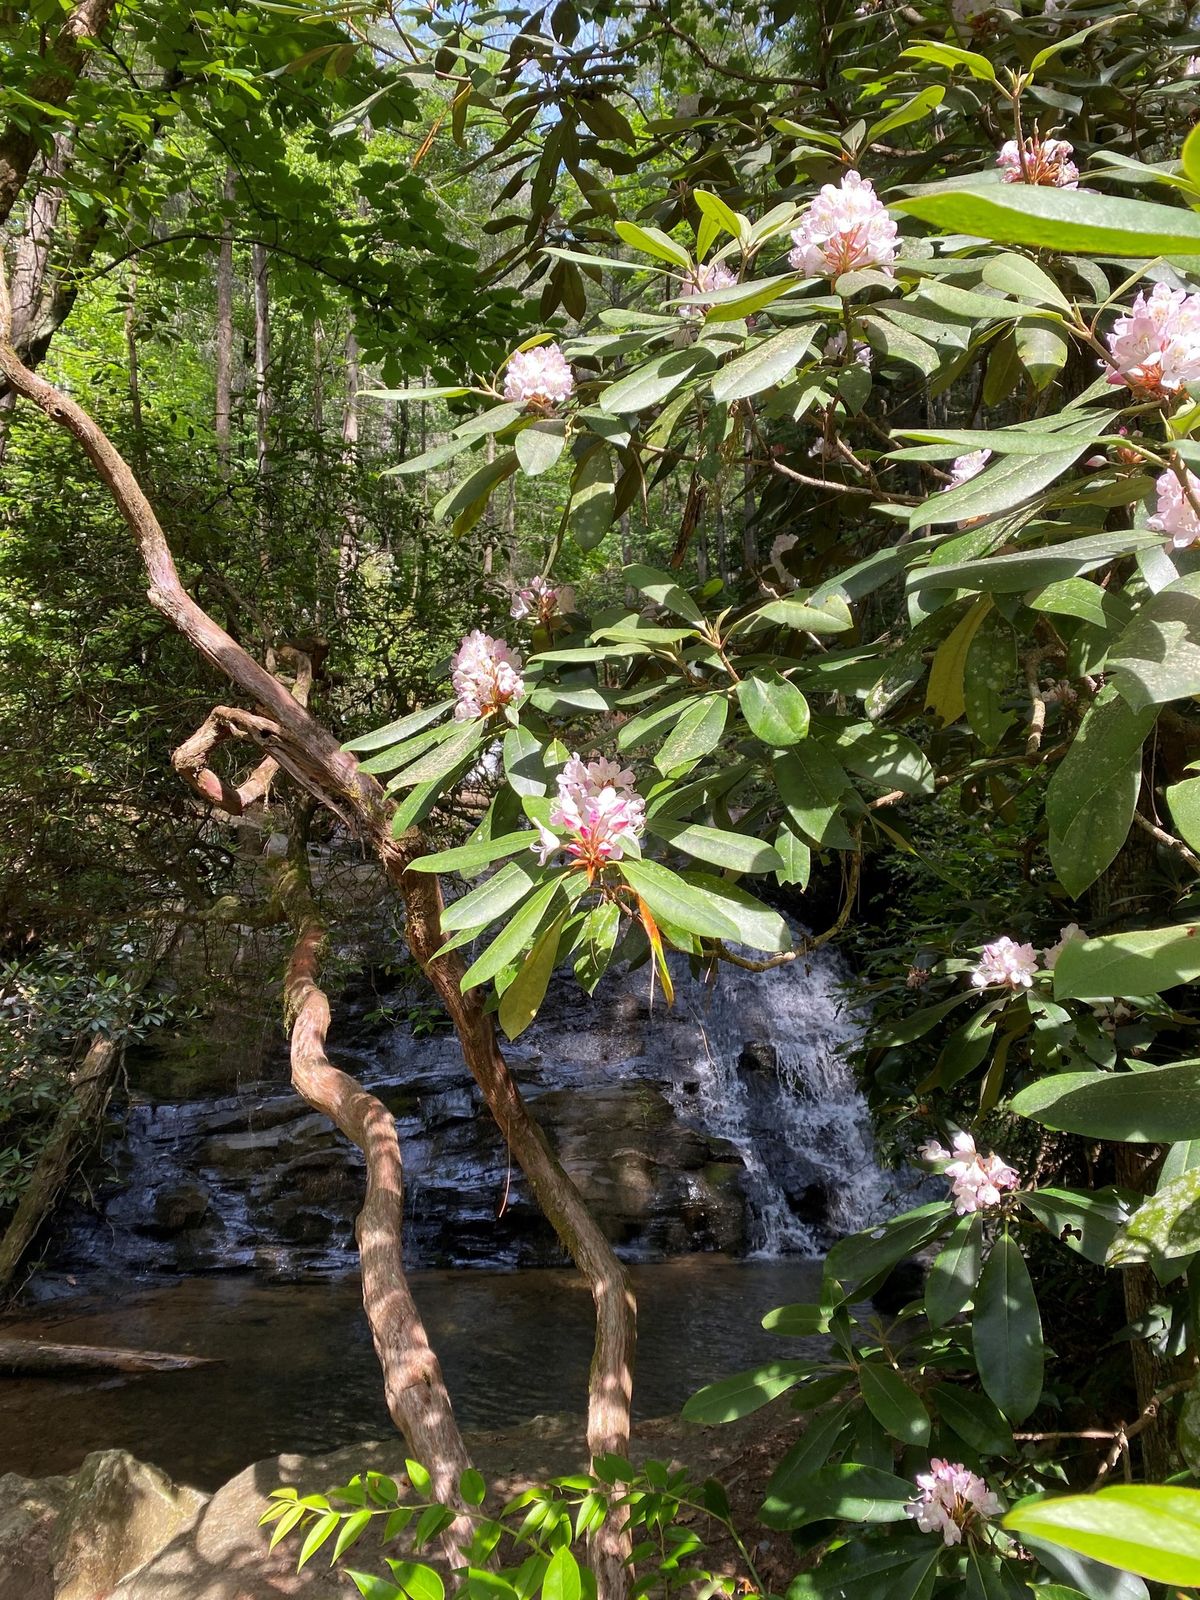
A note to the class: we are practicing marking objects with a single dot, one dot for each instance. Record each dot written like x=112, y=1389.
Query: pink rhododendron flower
x=1175, y=514
x=844, y=229
x=1155, y=347
x=967, y=467
x=835, y=349
x=486, y=675
x=705, y=280
x=543, y=601
x=540, y=377
x=1047, y=162
x=1005, y=962
x=950, y=1498
x=600, y=811
x=1066, y=936
x=976, y=1181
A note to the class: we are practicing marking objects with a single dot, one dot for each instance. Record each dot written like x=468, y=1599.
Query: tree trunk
x=224, y=333
x=314, y=758
x=351, y=527
x=135, y=394
x=39, y=1355
x=75, y=1123
x=30, y=259
x=262, y=358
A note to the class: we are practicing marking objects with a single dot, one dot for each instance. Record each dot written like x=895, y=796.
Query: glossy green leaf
x=855, y=1260
x=1007, y=1332
x=696, y=732
x=1092, y=795
x=1157, y=658
x=974, y=1418
x=563, y=1580
x=745, y=1392
x=1184, y=800
x=1140, y=962
x=673, y=900
x=955, y=1272
x=466, y=858
x=809, y=1453
x=757, y=925
x=396, y=732
x=738, y=851
x=1086, y=1221
x=764, y=365
x=499, y=894
x=1150, y=1106
x=1167, y=1225
x=539, y=445
x=1148, y=1529
x=894, y=1405
x=775, y=710
x=522, y=999
x=509, y=943
x=1060, y=220
x=850, y=1492
x=593, y=498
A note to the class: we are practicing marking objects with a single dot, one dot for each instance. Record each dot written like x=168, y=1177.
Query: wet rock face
x=726, y=1123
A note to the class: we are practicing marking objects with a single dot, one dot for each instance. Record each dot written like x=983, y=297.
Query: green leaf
x=796, y=858
x=395, y=732
x=1007, y=1332
x=651, y=383
x=418, y=1581
x=317, y=1535
x=520, y=1002
x=955, y=1272
x=472, y=1487
x=1157, y=658
x=673, y=900
x=439, y=762
x=851, y=1493
x=696, y=733
x=477, y=487
x=775, y=710
x=500, y=893
x=1147, y=1529
x=764, y=365
x=664, y=590
x=1184, y=801
x=739, y=852
x=539, y=446
x=896, y=1407
x=949, y=55
x=757, y=925
x=898, y=1567
x=523, y=764
x=811, y=781
x=973, y=1418
x=373, y=1588
x=352, y=1531
x=1154, y=1105
x=1017, y=275
x=1141, y=962
x=1011, y=574
x=600, y=929
x=593, y=498
x=862, y=1256
x=465, y=858
x=830, y=614
x=1167, y=1225
x=1093, y=793
x=1086, y=1221
x=562, y=1580
x=653, y=242
x=810, y=1452
x=509, y=943
x=1065, y=221
x=745, y=1392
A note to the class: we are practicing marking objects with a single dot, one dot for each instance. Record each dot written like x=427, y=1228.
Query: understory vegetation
x=644, y=478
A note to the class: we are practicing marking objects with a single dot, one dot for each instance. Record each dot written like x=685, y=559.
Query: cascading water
x=729, y=1122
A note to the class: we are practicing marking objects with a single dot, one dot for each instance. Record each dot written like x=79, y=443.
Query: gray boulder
x=119, y=1514
x=29, y=1511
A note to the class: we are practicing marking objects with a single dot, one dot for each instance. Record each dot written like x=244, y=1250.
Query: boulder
x=118, y=1515
x=29, y=1510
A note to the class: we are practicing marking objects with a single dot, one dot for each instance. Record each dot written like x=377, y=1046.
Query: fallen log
x=41, y=1355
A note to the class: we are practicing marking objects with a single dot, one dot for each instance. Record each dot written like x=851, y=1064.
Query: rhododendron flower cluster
x=1006, y=962
x=600, y=811
x=975, y=1181
x=835, y=349
x=967, y=467
x=706, y=279
x=1047, y=162
x=543, y=601
x=1066, y=936
x=1175, y=513
x=539, y=378
x=844, y=229
x=486, y=675
x=1155, y=347
x=950, y=1498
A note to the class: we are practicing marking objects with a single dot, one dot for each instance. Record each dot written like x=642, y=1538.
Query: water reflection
x=297, y=1371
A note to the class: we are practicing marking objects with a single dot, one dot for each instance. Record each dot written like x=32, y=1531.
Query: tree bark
x=224, y=333
x=90, y=1089
x=416, y=1394
x=86, y=21
x=40, y=1355
x=135, y=392
x=313, y=757
x=262, y=356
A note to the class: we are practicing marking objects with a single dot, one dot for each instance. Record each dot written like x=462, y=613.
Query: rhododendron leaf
x=1042, y=349
x=1166, y=1225
x=520, y=1002
x=855, y=1260
x=396, y=731
x=766, y=364
x=651, y=383
x=732, y=305
x=830, y=614
x=955, y=1271
x=539, y=445
x=1017, y=275
x=1148, y=1529
x=1184, y=801
x=949, y=55
x=890, y=760
x=746, y=1392
x=811, y=782
x=851, y=1492
x=1007, y=1332
x=1077, y=597
x=911, y=111
x=1084, y=1221
x=711, y=205
x=757, y=925
x=1001, y=486
x=796, y=857
x=738, y=851
x=1152, y=1105
x=1157, y=658
x=654, y=243
x=973, y=1418
x=494, y=420
x=477, y=487
x=896, y=1407
x=598, y=941
x=399, y=755
x=524, y=767
x=672, y=899
x=1140, y=961
x=1060, y=220
x=428, y=460
x=991, y=670
x=465, y=858
x=900, y=1567
x=810, y=1452
x=1087, y=1577
x=775, y=710
x=696, y=733
x=945, y=695
x=416, y=807
x=1092, y=795
x=1048, y=52
x=895, y=343
x=441, y=761
x=490, y=900
x=443, y=393
x=509, y=943
x=664, y=590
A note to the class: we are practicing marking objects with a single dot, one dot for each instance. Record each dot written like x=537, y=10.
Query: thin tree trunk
x=76, y=1122
x=318, y=391
x=313, y=757
x=262, y=358
x=135, y=395
x=223, y=352
x=31, y=257
x=351, y=526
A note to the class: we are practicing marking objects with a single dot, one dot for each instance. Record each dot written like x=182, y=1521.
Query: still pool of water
x=295, y=1369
